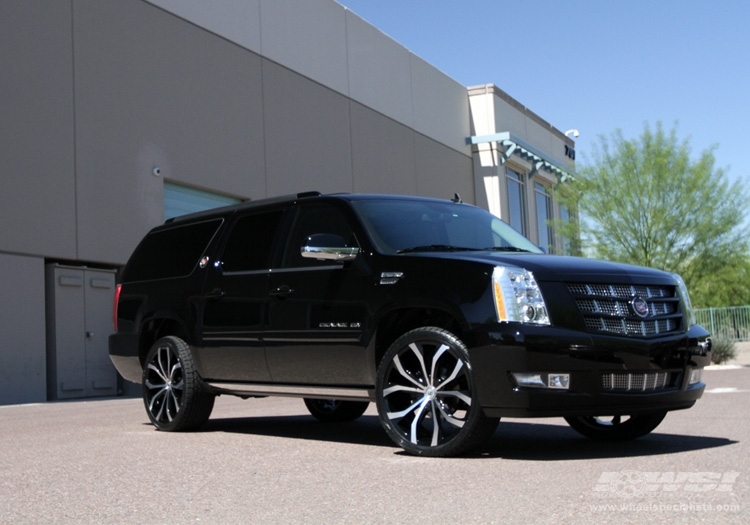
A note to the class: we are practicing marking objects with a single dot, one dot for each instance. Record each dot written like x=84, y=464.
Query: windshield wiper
x=437, y=248
x=505, y=249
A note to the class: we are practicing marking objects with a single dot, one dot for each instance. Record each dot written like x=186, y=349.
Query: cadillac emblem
x=639, y=306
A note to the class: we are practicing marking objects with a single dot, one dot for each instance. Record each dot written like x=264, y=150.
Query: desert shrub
x=722, y=350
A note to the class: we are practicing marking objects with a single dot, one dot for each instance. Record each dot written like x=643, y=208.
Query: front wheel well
x=397, y=322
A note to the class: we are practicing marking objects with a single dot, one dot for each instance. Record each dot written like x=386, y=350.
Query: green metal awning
x=514, y=145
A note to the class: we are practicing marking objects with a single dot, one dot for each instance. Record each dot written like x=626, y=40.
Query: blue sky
x=595, y=65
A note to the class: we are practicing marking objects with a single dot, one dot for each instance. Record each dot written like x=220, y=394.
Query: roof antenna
x=456, y=198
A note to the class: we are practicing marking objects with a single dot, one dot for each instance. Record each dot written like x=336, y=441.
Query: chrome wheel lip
x=436, y=382
x=605, y=422
x=326, y=405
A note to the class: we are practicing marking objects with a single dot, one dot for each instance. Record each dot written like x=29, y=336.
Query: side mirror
x=328, y=247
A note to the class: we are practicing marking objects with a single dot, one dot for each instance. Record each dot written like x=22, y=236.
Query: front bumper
x=499, y=351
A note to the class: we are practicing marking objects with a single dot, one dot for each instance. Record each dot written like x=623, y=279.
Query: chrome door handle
x=282, y=291
x=216, y=293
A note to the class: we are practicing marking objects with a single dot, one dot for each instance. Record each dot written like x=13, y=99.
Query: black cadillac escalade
x=439, y=312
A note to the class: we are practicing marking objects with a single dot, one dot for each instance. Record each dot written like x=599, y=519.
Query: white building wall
x=494, y=112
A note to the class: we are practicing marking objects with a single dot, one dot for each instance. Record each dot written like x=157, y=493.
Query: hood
x=564, y=268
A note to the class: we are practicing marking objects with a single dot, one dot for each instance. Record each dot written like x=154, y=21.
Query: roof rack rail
x=306, y=194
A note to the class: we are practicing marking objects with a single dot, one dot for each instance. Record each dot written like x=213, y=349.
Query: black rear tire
x=333, y=410
x=174, y=395
x=615, y=428
x=426, y=396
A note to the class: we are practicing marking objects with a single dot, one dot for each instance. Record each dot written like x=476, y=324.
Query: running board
x=314, y=392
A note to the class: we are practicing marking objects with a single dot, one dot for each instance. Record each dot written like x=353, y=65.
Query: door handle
x=216, y=293
x=282, y=291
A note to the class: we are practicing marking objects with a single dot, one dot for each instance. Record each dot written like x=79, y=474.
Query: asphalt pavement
x=267, y=461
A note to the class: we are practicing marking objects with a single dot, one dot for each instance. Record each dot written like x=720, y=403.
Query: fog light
x=554, y=381
x=696, y=375
x=561, y=381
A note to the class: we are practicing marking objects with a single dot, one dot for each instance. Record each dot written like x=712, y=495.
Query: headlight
x=687, y=306
x=518, y=297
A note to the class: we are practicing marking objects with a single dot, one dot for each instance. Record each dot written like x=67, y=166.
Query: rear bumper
x=123, y=351
x=587, y=358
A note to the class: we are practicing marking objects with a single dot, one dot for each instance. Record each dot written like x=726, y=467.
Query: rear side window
x=250, y=242
x=173, y=252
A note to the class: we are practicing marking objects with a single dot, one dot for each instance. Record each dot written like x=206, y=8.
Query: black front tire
x=615, y=428
x=426, y=396
x=174, y=395
x=334, y=410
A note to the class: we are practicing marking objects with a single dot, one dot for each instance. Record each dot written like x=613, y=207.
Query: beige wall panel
x=383, y=154
x=510, y=118
x=152, y=90
x=236, y=20
x=442, y=171
x=307, y=37
x=539, y=135
x=308, y=145
x=482, y=109
x=441, y=106
x=37, y=187
x=379, y=71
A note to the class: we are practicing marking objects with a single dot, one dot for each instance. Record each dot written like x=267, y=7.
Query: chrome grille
x=636, y=382
x=630, y=327
x=621, y=290
x=608, y=308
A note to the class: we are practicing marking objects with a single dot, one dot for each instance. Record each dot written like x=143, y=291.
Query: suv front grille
x=611, y=308
x=636, y=381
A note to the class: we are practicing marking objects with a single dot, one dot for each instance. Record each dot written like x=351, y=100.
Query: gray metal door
x=79, y=320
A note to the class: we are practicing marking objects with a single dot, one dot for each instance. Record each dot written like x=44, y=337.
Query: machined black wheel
x=174, y=395
x=334, y=410
x=426, y=397
x=615, y=428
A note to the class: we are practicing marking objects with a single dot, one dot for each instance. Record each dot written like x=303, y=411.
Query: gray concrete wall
x=116, y=88
x=249, y=98
x=37, y=156
x=23, y=368
x=153, y=90
x=328, y=44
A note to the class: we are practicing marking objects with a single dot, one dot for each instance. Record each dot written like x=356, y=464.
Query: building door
x=79, y=321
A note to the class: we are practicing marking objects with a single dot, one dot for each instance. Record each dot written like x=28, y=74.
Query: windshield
x=402, y=226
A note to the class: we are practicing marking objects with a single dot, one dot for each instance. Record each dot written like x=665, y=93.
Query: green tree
x=646, y=201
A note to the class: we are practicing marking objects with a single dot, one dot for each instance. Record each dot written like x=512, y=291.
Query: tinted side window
x=313, y=220
x=250, y=242
x=173, y=252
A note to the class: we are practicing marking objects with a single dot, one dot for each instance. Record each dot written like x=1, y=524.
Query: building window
x=181, y=200
x=543, y=217
x=516, y=201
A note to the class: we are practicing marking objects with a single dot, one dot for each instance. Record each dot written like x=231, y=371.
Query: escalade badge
x=640, y=306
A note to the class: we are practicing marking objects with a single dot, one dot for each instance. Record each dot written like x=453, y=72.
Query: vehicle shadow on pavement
x=542, y=442
x=364, y=431
x=511, y=440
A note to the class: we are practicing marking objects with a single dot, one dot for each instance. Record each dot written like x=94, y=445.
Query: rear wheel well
x=396, y=323
x=154, y=330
